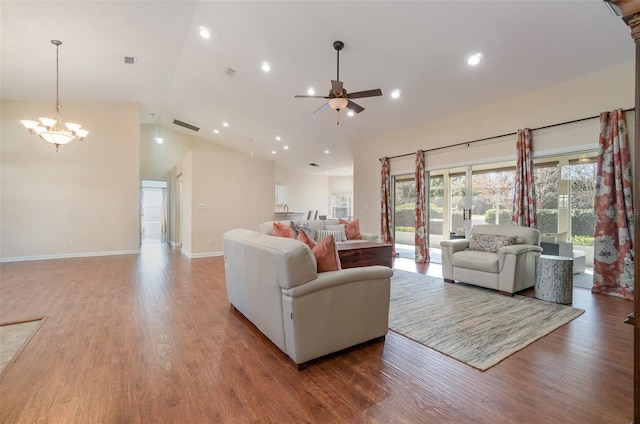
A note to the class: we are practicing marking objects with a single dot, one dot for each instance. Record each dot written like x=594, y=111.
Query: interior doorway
x=153, y=212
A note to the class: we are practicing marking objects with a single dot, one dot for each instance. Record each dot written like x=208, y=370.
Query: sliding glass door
x=483, y=194
x=404, y=188
x=492, y=190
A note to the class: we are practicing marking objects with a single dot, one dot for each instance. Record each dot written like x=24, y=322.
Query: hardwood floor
x=151, y=338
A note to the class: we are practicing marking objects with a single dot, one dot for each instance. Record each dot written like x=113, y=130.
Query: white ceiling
x=417, y=47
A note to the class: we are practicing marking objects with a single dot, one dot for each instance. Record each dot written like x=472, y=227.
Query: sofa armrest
x=373, y=237
x=330, y=279
x=518, y=249
x=449, y=247
x=515, y=250
x=455, y=245
x=338, y=309
x=516, y=265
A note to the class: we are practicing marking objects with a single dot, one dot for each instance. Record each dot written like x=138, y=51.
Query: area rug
x=476, y=326
x=13, y=339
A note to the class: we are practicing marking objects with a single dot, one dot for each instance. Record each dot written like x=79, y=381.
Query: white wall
x=236, y=191
x=157, y=160
x=305, y=192
x=160, y=162
x=79, y=201
x=573, y=100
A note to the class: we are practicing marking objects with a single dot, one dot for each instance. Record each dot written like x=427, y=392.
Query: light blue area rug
x=473, y=325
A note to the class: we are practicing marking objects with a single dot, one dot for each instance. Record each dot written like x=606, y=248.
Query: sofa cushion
x=326, y=254
x=476, y=259
x=352, y=229
x=283, y=230
x=337, y=235
x=489, y=242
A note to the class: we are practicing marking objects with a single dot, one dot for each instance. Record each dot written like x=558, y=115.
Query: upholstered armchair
x=499, y=257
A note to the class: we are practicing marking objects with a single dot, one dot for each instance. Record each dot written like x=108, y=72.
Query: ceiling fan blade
x=321, y=108
x=311, y=97
x=336, y=88
x=354, y=107
x=366, y=93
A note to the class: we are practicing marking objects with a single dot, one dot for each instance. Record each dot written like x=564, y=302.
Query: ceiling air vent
x=185, y=125
x=130, y=60
x=315, y=165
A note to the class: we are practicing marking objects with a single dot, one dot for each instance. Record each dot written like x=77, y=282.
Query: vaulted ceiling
x=419, y=48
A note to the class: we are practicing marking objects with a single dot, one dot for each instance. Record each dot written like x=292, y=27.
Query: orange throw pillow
x=304, y=237
x=283, y=230
x=326, y=255
x=352, y=229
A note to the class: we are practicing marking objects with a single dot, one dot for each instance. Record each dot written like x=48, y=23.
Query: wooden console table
x=354, y=255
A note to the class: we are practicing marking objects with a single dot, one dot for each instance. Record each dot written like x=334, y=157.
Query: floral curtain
x=421, y=223
x=524, y=196
x=613, y=244
x=386, y=222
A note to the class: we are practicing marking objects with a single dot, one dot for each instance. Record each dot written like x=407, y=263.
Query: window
x=341, y=204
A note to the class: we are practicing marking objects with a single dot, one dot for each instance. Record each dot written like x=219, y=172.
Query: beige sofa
x=318, y=224
x=273, y=282
x=509, y=269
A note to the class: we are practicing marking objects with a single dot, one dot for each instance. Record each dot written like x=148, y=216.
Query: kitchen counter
x=291, y=216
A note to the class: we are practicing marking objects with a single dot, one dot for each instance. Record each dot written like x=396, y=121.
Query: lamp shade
x=48, y=122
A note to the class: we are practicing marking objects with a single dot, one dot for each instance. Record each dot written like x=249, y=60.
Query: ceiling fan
x=338, y=97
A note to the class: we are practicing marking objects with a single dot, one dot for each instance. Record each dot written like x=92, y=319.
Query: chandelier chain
x=57, y=76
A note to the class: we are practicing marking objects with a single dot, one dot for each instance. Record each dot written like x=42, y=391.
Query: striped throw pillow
x=338, y=235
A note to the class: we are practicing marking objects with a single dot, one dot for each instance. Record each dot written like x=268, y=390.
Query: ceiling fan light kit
x=338, y=103
x=338, y=98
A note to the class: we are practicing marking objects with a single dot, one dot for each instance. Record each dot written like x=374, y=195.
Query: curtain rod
x=467, y=143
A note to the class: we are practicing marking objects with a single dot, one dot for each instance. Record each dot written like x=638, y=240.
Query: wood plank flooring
x=151, y=338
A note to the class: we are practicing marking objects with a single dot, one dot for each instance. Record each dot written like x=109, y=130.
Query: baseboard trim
x=68, y=256
x=201, y=255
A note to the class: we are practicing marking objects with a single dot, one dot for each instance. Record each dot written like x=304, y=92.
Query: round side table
x=554, y=279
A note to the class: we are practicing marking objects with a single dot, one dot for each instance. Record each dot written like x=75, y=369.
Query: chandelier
x=49, y=129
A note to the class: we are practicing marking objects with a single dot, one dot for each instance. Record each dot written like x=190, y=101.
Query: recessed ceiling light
x=351, y=113
x=159, y=140
x=326, y=152
x=204, y=33
x=474, y=59
x=278, y=138
x=273, y=152
x=216, y=131
x=395, y=94
x=225, y=124
x=311, y=91
x=285, y=147
x=266, y=67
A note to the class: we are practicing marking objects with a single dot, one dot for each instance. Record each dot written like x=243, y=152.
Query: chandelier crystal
x=49, y=129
